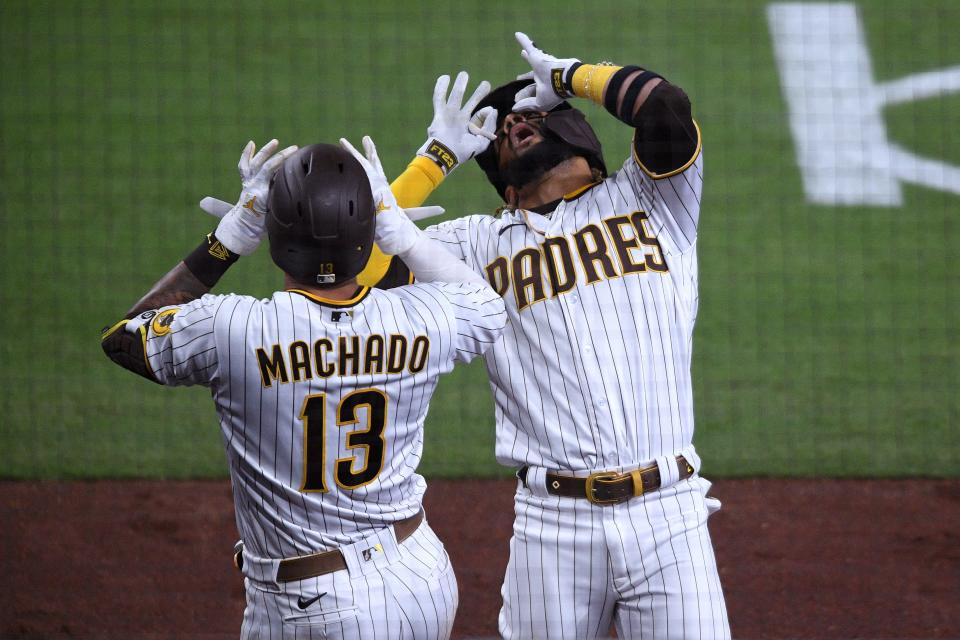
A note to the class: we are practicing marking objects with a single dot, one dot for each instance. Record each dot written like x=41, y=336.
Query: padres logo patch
x=161, y=324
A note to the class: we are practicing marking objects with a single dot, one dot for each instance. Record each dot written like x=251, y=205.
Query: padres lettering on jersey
x=619, y=246
x=593, y=370
x=343, y=357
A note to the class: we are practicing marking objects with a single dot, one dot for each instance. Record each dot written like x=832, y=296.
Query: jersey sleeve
x=460, y=237
x=477, y=312
x=180, y=342
x=672, y=202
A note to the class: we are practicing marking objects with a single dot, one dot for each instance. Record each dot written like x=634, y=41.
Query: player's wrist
x=590, y=80
x=242, y=229
x=442, y=158
x=210, y=260
x=396, y=233
x=563, y=79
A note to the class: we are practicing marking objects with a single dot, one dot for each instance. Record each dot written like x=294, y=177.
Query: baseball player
x=321, y=391
x=591, y=378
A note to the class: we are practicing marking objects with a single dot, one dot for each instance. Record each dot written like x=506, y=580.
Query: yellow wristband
x=589, y=80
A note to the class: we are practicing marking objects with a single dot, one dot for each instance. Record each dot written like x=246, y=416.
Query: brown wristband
x=210, y=260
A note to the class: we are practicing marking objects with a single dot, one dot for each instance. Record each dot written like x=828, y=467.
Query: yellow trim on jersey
x=112, y=330
x=411, y=189
x=142, y=330
x=589, y=80
x=669, y=174
x=330, y=302
x=576, y=193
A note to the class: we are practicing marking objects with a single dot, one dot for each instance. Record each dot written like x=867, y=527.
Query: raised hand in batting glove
x=396, y=234
x=455, y=135
x=242, y=228
x=549, y=76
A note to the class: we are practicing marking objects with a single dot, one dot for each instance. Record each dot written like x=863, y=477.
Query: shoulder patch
x=161, y=323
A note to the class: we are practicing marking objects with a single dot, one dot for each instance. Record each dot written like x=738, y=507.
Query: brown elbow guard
x=666, y=137
x=127, y=349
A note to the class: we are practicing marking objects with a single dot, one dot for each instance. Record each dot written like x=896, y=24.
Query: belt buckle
x=591, y=488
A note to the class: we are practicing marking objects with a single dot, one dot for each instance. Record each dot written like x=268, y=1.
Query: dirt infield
x=798, y=558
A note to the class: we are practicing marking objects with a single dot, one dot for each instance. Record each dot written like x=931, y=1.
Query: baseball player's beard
x=538, y=160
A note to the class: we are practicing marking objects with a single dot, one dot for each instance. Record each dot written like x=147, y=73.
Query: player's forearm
x=417, y=182
x=125, y=341
x=666, y=137
x=623, y=91
x=178, y=286
x=431, y=262
x=190, y=279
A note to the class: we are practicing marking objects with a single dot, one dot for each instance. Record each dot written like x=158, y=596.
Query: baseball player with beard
x=591, y=378
x=322, y=389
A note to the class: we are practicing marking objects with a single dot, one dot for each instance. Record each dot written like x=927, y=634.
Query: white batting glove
x=548, y=73
x=242, y=227
x=395, y=233
x=454, y=136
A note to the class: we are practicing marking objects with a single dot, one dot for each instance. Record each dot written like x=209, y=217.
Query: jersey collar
x=329, y=302
x=548, y=207
x=576, y=193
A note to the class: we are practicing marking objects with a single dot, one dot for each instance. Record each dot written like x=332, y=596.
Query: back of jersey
x=322, y=403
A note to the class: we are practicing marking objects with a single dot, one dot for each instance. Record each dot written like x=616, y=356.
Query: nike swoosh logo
x=303, y=604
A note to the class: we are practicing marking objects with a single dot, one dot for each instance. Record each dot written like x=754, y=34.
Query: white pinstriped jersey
x=593, y=370
x=321, y=405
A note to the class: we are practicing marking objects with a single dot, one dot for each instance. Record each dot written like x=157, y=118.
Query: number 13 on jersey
x=368, y=437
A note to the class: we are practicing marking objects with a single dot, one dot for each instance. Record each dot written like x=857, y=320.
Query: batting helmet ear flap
x=571, y=126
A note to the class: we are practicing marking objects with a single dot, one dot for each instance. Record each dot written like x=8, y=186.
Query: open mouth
x=521, y=134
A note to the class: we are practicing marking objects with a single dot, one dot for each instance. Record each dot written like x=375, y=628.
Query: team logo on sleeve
x=162, y=322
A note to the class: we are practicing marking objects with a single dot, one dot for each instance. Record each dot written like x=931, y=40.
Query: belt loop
x=536, y=482
x=637, y=483
x=669, y=473
x=690, y=455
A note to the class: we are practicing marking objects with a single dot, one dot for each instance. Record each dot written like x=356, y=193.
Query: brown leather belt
x=318, y=564
x=609, y=487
